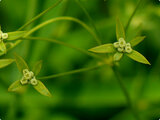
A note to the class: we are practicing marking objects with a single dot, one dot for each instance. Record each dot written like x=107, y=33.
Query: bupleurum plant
x=117, y=50
x=121, y=47
x=28, y=77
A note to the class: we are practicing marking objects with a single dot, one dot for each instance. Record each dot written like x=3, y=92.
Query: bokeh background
x=92, y=95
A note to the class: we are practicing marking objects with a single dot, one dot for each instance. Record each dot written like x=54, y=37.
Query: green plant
x=115, y=52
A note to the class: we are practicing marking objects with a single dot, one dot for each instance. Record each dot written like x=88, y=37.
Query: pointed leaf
x=138, y=57
x=117, y=56
x=15, y=35
x=137, y=40
x=42, y=89
x=17, y=87
x=106, y=48
x=3, y=47
x=21, y=64
x=37, y=67
x=5, y=62
x=120, y=33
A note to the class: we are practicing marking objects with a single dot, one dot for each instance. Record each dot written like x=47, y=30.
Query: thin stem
x=41, y=14
x=70, y=72
x=64, y=44
x=128, y=99
x=60, y=19
x=89, y=17
x=134, y=12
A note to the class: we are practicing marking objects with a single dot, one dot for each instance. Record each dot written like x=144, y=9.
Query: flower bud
x=122, y=42
x=4, y=35
x=120, y=49
x=116, y=44
x=25, y=71
x=34, y=81
x=24, y=81
x=128, y=49
x=128, y=45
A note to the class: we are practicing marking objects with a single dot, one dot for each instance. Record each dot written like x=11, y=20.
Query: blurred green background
x=93, y=95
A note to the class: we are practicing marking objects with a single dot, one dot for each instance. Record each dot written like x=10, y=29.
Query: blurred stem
x=128, y=99
x=134, y=12
x=41, y=14
x=89, y=18
x=65, y=44
x=71, y=72
x=60, y=19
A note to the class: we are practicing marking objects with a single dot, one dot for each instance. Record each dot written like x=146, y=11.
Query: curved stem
x=128, y=99
x=60, y=19
x=134, y=12
x=89, y=17
x=70, y=72
x=65, y=44
x=41, y=14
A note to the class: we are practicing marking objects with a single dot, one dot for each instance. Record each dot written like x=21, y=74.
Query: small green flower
x=121, y=47
x=122, y=42
x=29, y=77
x=24, y=81
x=116, y=44
x=34, y=81
x=6, y=38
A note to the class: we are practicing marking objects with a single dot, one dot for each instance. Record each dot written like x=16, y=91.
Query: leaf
x=17, y=87
x=42, y=89
x=3, y=47
x=138, y=57
x=106, y=48
x=5, y=62
x=137, y=40
x=21, y=64
x=15, y=35
x=37, y=67
x=120, y=33
x=117, y=56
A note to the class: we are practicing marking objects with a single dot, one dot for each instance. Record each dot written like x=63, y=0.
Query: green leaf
x=42, y=89
x=106, y=48
x=138, y=57
x=17, y=87
x=21, y=64
x=137, y=40
x=117, y=56
x=15, y=35
x=5, y=62
x=120, y=33
x=3, y=47
x=37, y=67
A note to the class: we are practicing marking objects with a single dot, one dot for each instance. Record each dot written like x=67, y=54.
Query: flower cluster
x=28, y=78
x=122, y=46
x=3, y=35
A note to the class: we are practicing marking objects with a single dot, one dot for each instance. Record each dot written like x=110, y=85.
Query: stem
x=89, y=17
x=60, y=19
x=70, y=72
x=128, y=99
x=65, y=44
x=134, y=12
x=41, y=14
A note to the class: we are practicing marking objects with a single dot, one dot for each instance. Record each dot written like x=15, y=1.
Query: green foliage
x=37, y=67
x=5, y=62
x=137, y=40
x=106, y=48
x=15, y=35
x=120, y=33
x=95, y=91
x=121, y=46
x=138, y=57
x=27, y=78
